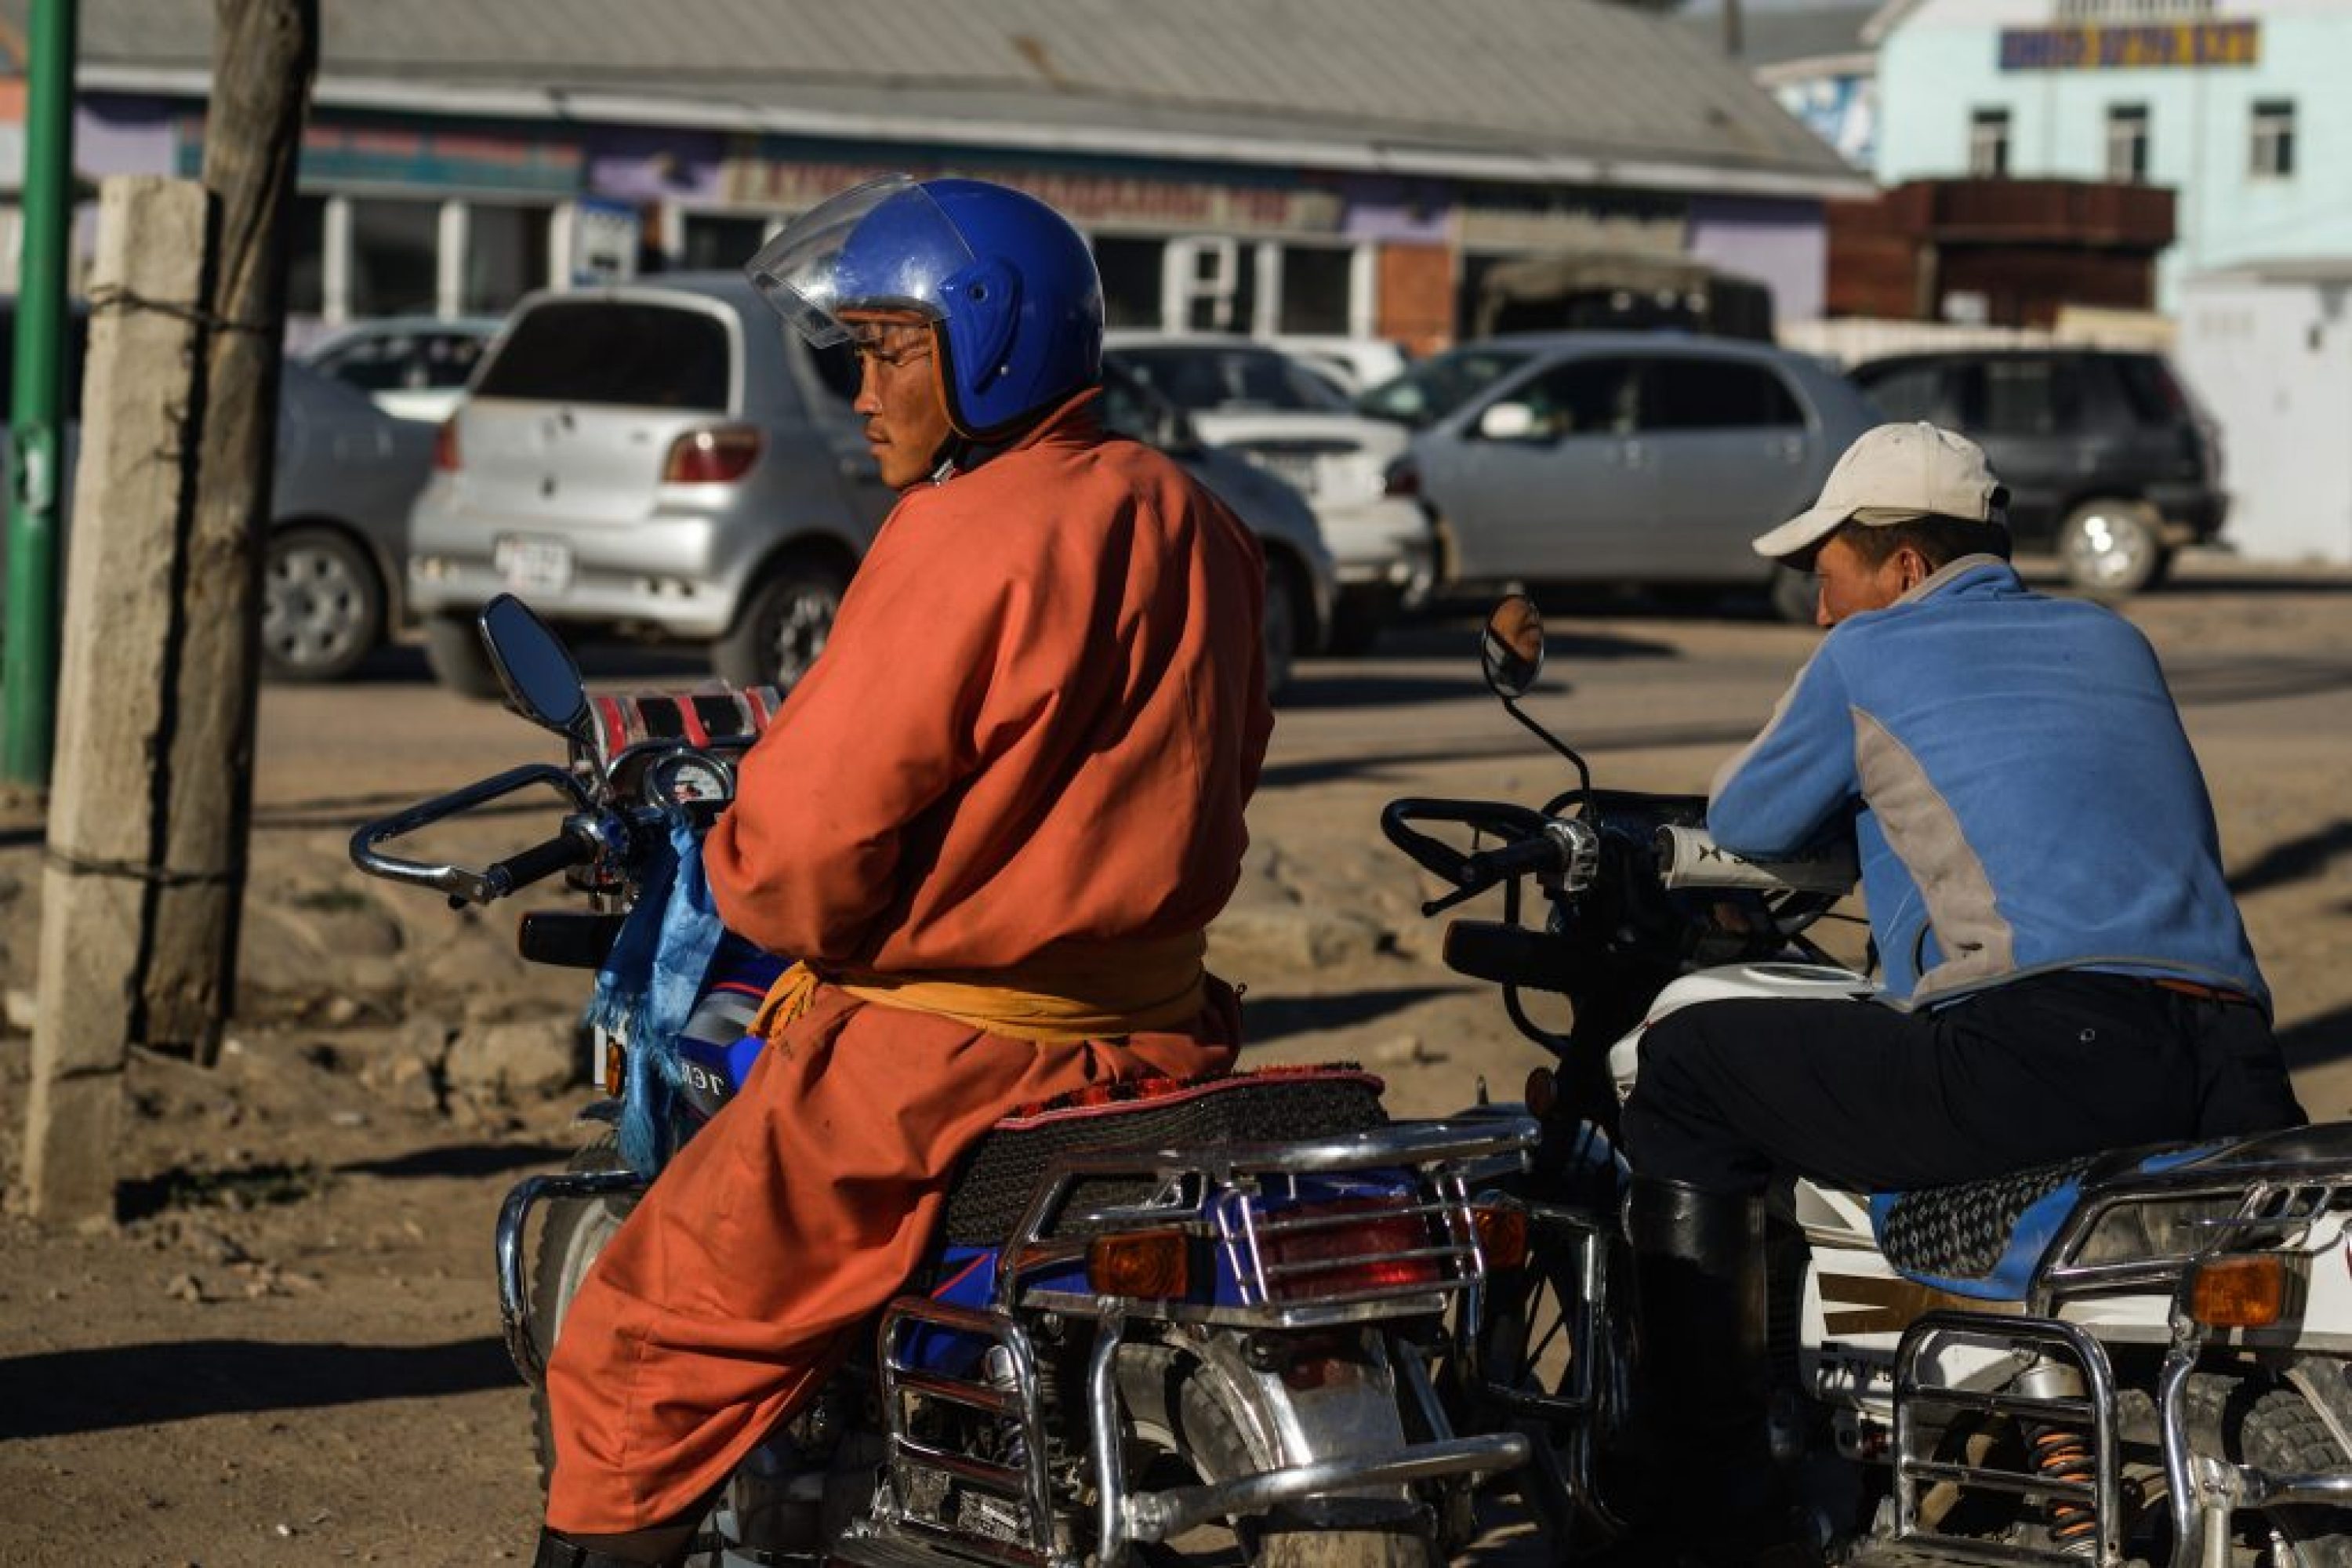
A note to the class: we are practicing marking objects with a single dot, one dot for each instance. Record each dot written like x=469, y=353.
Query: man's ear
x=1912, y=566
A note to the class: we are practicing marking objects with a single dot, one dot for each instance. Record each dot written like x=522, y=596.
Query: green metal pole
x=28, y=656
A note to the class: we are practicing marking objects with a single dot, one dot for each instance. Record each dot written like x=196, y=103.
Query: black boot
x=1712, y=1493
x=554, y=1551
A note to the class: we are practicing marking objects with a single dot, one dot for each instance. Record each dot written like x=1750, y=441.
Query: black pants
x=1870, y=1098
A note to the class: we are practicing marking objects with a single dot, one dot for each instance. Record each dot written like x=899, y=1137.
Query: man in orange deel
x=991, y=823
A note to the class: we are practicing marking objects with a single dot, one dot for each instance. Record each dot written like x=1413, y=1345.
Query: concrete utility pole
x=265, y=54
x=105, y=817
x=153, y=794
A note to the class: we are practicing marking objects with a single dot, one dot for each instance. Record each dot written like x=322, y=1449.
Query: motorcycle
x=1172, y=1312
x=2143, y=1357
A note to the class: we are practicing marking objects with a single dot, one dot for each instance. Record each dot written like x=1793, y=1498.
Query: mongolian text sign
x=2130, y=48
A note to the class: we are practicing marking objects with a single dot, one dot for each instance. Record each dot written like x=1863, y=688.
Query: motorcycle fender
x=1323, y=1408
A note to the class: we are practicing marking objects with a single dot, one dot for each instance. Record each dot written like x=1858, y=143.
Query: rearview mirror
x=543, y=682
x=1508, y=422
x=1511, y=648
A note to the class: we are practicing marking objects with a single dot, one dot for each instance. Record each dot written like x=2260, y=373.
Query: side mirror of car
x=542, y=680
x=1508, y=422
x=1511, y=648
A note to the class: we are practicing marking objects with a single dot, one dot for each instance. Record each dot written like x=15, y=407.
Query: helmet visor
x=881, y=246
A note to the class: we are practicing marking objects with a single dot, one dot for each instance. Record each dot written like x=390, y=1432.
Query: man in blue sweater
x=2066, y=968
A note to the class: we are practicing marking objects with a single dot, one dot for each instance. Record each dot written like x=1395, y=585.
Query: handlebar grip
x=1540, y=853
x=539, y=861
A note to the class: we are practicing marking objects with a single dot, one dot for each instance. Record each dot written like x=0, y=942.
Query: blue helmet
x=1010, y=285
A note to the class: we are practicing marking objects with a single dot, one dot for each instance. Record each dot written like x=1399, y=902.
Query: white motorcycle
x=2137, y=1357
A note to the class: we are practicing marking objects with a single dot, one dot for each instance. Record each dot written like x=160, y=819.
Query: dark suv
x=2107, y=460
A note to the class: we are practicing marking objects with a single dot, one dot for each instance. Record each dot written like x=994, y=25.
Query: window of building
x=716, y=243
x=1131, y=273
x=2274, y=139
x=1988, y=143
x=395, y=257
x=506, y=257
x=1316, y=285
x=1218, y=285
x=2128, y=143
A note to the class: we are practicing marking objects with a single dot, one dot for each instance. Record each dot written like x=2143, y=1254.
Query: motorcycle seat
x=1005, y=1169
x=1985, y=1239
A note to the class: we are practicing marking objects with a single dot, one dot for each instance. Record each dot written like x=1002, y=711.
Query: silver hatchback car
x=1619, y=457
x=664, y=460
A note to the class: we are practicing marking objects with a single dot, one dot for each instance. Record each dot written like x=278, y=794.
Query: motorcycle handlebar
x=540, y=860
x=460, y=882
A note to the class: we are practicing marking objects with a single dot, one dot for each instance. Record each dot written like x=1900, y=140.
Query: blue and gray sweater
x=2019, y=786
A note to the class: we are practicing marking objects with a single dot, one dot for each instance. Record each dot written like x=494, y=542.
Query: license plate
x=533, y=565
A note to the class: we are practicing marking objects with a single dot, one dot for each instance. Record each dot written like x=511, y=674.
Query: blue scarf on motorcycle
x=679, y=990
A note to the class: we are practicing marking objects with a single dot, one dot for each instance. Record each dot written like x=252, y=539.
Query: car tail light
x=718, y=456
x=1320, y=1250
x=444, y=446
x=1402, y=478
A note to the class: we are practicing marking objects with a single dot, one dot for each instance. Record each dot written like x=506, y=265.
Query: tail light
x=2239, y=1292
x=1147, y=1266
x=444, y=446
x=1402, y=478
x=1502, y=1234
x=1362, y=1245
x=718, y=456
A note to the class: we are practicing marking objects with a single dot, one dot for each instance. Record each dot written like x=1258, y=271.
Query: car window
x=1908, y=392
x=1582, y=397
x=1681, y=394
x=1202, y=379
x=2026, y=398
x=596, y=350
x=2154, y=395
x=1439, y=384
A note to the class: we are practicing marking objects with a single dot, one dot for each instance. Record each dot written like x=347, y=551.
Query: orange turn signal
x=1502, y=1234
x=2248, y=1293
x=1145, y=1265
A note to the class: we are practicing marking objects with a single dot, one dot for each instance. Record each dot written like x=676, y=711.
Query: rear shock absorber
x=2062, y=1453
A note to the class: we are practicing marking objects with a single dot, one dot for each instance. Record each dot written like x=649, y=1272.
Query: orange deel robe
x=1033, y=732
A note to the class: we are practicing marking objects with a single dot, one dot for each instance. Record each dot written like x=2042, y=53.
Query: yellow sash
x=1060, y=997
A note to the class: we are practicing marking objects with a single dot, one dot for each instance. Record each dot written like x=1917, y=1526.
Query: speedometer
x=688, y=777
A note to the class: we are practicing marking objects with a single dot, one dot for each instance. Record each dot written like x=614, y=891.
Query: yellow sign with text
x=2131, y=48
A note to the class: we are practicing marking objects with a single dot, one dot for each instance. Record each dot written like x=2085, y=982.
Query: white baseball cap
x=1895, y=473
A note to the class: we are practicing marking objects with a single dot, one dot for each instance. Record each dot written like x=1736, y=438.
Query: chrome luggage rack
x=1210, y=1188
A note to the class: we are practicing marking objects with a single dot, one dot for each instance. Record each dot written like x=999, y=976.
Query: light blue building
x=2238, y=105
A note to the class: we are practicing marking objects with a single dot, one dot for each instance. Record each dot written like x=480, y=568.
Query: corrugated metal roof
x=1529, y=78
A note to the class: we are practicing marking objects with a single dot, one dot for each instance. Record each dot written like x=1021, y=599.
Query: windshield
x=1438, y=385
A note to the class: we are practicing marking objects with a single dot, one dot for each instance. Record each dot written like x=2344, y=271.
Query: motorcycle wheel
x=575, y=1233
x=1190, y=1417
x=2284, y=1436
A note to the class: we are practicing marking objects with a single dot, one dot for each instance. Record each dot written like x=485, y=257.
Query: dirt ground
x=286, y=1349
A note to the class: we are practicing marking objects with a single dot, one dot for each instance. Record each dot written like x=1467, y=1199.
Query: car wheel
x=1796, y=595
x=2110, y=548
x=783, y=625
x=1281, y=622
x=321, y=606
x=1359, y=617
x=453, y=652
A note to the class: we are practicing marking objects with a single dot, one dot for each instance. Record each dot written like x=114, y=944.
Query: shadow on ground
x=461, y=1160
x=111, y=1387
x=1270, y=1018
